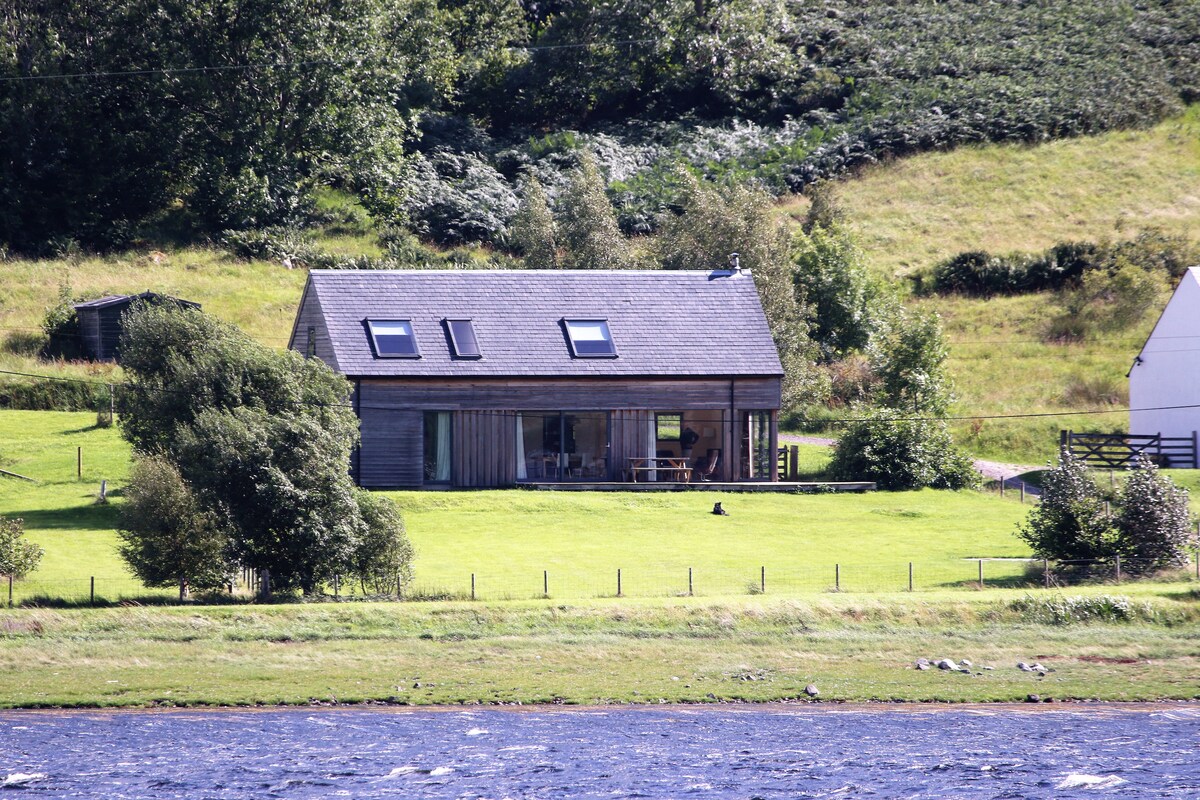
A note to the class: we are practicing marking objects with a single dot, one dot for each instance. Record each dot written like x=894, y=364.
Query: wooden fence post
x=689, y=581
x=1118, y=568
x=10, y=583
x=837, y=577
x=79, y=462
x=93, y=591
x=472, y=585
x=910, y=582
x=618, y=581
x=794, y=471
x=1046, y=572
x=762, y=577
x=981, y=573
x=546, y=582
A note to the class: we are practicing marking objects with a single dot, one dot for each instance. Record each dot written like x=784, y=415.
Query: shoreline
x=737, y=706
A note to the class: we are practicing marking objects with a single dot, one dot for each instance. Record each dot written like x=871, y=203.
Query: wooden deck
x=793, y=487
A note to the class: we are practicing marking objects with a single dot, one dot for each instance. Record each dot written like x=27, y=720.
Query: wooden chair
x=709, y=467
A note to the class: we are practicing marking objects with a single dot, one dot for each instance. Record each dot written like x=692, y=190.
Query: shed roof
x=118, y=299
x=663, y=323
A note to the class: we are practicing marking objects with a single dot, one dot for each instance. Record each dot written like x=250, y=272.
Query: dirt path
x=991, y=470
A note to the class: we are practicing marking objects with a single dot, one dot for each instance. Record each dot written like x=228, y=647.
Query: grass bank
x=598, y=652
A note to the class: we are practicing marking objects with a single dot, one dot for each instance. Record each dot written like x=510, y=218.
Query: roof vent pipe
x=735, y=263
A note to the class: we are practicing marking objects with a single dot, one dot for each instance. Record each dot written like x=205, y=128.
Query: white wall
x=1169, y=372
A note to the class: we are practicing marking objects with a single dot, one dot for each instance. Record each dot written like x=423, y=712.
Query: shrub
x=900, y=453
x=64, y=337
x=167, y=538
x=1059, y=610
x=1107, y=300
x=1154, y=524
x=383, y=555
x=18, y=557
x=1070, y=522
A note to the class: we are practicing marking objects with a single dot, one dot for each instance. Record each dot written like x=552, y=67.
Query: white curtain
x=522, y=470
x=651, y=444
x=443, y=446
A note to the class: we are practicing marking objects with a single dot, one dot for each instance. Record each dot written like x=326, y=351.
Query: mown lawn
x=509, y=538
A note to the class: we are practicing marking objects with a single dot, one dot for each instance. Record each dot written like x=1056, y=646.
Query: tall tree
x=590, y=235
x=717, y=222
x=534, y=233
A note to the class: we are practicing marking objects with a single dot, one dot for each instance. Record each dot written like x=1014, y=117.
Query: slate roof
x=664, y=323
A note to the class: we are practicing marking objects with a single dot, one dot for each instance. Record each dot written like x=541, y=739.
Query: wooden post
x=762, y=576
x=92, y=601
x=546, y=582
x=837, y=577
x=1002, y=481
x=618, y=581
x=79, y=462
x=112, y=406
x=1063, y=438
x=472, y=585
x=1046, y=572
x=910, y=576
x=689, y=581
x=336, y=586
x=794, y=463
x=399, y=587
x=981, y=573
x=10, y=582
x=1118, y=568
x=773, y=444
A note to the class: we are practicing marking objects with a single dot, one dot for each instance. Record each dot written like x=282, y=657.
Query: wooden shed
x=100, y=321
x=484, y=378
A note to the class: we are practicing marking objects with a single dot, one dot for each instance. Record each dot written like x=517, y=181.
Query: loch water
x=623, y=752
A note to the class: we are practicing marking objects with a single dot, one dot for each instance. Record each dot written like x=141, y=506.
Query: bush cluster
x=1059, y=610
x=981, y=274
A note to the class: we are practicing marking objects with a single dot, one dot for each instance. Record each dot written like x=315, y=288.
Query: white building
x=1164, y=382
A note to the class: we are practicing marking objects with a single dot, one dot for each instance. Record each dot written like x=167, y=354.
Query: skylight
x=590, y=338
x=393, y=338
x=462, y=338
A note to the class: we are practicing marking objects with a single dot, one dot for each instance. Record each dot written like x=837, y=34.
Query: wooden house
x=1164, y=381
x=100, y=321
x=486, y=378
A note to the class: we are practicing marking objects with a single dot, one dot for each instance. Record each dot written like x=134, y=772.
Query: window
x=462, y=338
x=669, y=427
x=393, y=338
x=590, y=338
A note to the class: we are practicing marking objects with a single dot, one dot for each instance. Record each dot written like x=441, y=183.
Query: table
x=677, y=467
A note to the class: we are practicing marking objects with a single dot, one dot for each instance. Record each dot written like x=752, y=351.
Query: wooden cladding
x=567, y=394
x=485, y=446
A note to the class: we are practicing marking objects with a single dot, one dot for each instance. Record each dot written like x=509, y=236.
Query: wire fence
x=497, y=583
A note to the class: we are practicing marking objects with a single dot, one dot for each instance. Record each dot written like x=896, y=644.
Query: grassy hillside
x=914, y=212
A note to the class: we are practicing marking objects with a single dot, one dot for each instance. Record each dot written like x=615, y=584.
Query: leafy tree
x=1069, y=522
x=167, y=537
x=588, y=227
x=262, y=438
x=18, y=557
x=280, y=487
x=384, y=553
x=899, y=453
x=1154, y=523
x=1109, y=299
x=533, y=231
x=909, y=359
x=716, y=222
x=845, y=306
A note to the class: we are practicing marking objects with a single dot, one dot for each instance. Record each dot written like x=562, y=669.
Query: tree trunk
x=264, y=583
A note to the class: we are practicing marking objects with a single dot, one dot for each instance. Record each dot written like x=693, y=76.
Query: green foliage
x=167, y=537
x=454, y=198
x=383, y=556
x=909, y=361
x=588, y=227
x=714, y=224
x=1108, y=300
x=901, y=453
x=64, y=338
x=1064, y=266
x=1059, y=610
x=845, y=305
x=533, y=232
x=18, y=557
x=1154, y=524
x=262, y=438
x=1070, y=521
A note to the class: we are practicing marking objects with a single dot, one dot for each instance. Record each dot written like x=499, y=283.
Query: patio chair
x=707, y=468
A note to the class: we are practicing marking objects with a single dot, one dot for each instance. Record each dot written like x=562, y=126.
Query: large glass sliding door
x=563, y=446
x=756, y=445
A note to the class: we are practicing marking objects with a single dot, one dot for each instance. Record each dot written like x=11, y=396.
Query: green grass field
x=509, y=538
x=1002, y=198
